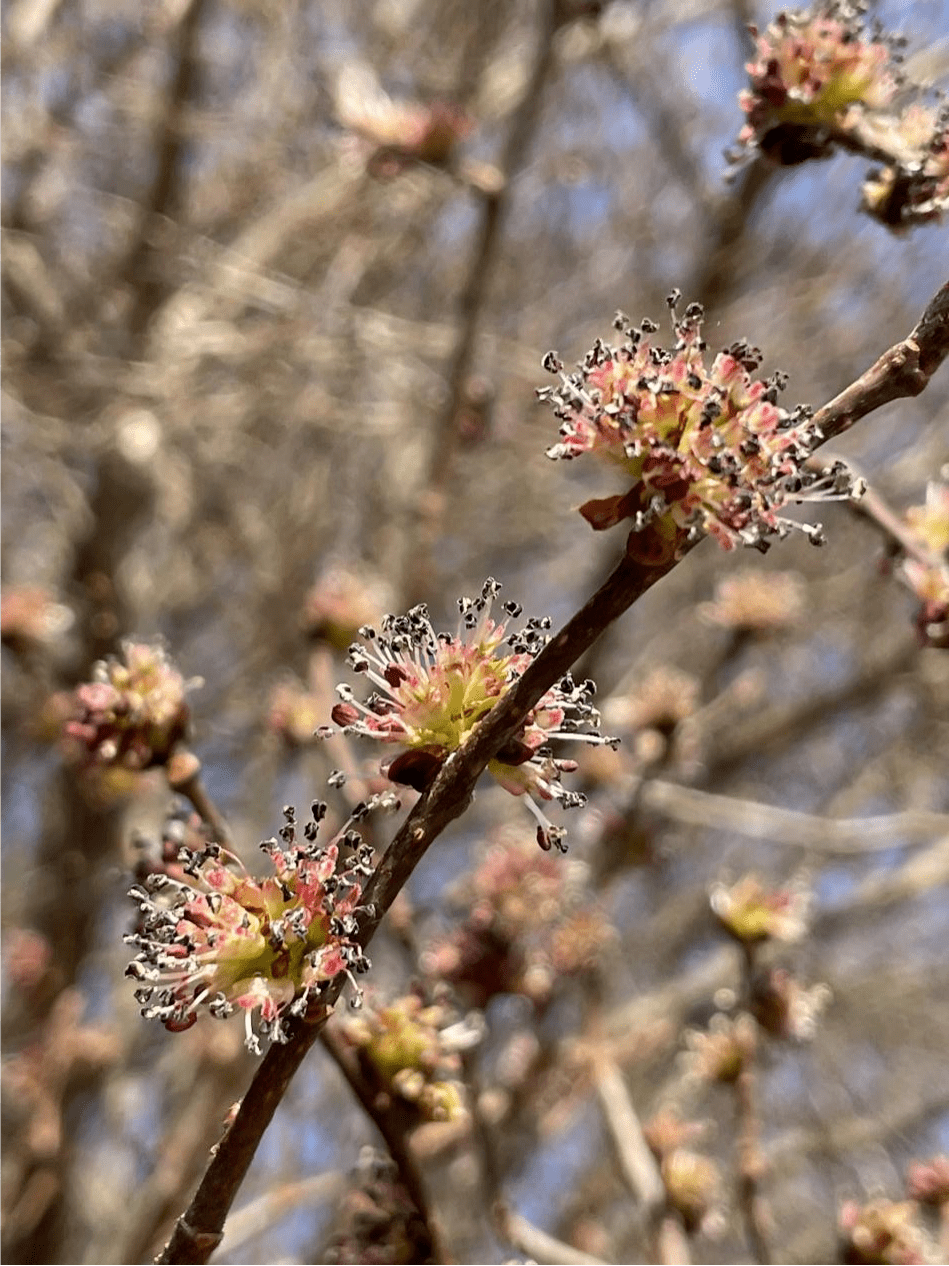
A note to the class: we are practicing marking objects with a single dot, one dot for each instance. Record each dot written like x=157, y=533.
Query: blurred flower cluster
x=411, y=1051
x=772, y=1001
x=528, y=922
x=31, y=617
x=432, y=689
x=929, y=578
x=754, y=602
x=883, y=1233
x=217, y=938
x=341, y=602
x=693, y=1182
x=914, y=190
x=377, y=1221
x=812, y=67
x=294, y=712
x=397, y=132
x=702, y=449
x=132, y=714
x=751, y=912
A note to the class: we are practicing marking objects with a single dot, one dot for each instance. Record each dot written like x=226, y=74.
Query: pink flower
x=702, y=449
x=220, y=939
x=812, y=67
x=133, y=712
x=432, y=689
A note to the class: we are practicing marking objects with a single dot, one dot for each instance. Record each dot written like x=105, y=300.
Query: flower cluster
x=342, y=600
x=692, y=1181
x=928, y=1181
x=751, y=913
x=293, y=712
x=411, y=1050
x=133, y=712
x=812, y=69
x=218, y=938
x=724, y=1051
x=751, y=602
x=398, y=131
x=702, y=449
x=914, y=188
x=376, y=1219
x=432, y=689
x=929, y=577
x=882, y=1231
x=30, y=617
x=528, y=921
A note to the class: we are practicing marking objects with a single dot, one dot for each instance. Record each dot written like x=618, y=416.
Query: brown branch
x=199, y=1230
x=638, y=1166
x=166, y=195
x=192, y=788
x=750, y=1160
x=904, y=370
x=395, y=1122
x=750, y=1164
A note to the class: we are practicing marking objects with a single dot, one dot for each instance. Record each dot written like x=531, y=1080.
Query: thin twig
x=904, y=370
x=637, y=1163
x=494, y=206
x=193, y=789
x=529, y=1239
x=638, y=1166
x=395, y=1122
x=788, y=826
x=751, y=1163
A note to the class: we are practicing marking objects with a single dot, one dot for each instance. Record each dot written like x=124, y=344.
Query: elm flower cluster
x=528, y=921
x=693, y=1182
x=755, y=603
x=703, y=449
x=751, y=912
x=219, y=939
x=812, y=69
x=133, y=712
x=883, y=1231
x=927, y=573
x=411, y=1051
x=432, y=689
x=914, y=187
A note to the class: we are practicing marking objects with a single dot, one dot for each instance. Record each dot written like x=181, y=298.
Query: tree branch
x=904, y=370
